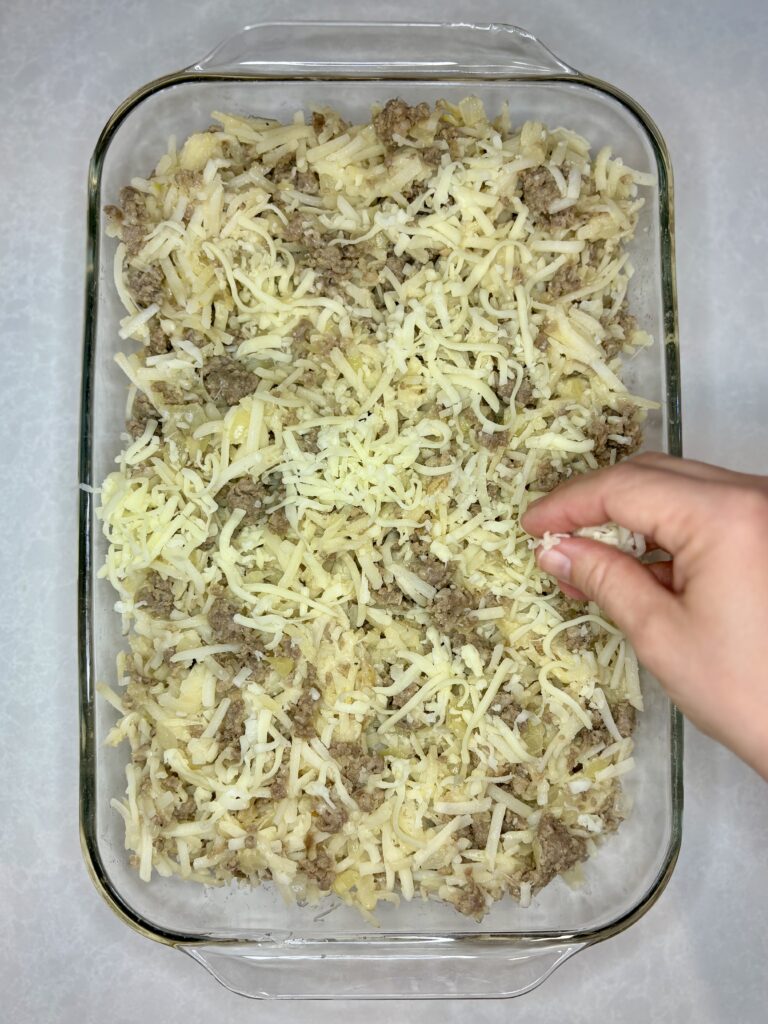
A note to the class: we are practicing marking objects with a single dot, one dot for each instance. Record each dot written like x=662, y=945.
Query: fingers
x=572, y=592
x=633, y=597
x=663, y=572
x=666, y=507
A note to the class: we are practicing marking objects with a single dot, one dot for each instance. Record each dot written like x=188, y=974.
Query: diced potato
x=198, y=150
x=595, y=766
x=283, y=666
x=237, y=423
x=345, y=881
x=534, y=737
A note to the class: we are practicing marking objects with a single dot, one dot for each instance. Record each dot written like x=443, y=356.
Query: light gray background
x=700, y=69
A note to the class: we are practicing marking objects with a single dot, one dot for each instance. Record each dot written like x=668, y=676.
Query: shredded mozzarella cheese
x=361, y=349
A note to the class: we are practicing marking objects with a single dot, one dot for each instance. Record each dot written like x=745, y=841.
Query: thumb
x=639, y=605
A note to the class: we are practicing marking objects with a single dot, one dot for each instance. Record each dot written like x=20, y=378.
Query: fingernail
x=555, y=563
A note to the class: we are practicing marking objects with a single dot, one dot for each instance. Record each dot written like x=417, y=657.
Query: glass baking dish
x=251, y=940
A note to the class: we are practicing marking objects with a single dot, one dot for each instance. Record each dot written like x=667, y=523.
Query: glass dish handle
x=394, y=50
x=400, y=970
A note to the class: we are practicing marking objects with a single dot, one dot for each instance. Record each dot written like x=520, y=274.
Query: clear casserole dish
x=250, y=939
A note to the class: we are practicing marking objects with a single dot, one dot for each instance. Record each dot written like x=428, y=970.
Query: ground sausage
x=330, y=121
x=147, y=286
x=493, y=440
x=558, y=850
x=538, y=190
x=399, y=700
x=132, y=217
x=449, y=134
x=308, y=182
x=471, y=901
x=332, y=264
x=627, y=325
x=221, y=620
x=450, y=612
x=302, y=229
x=159, y=342
x=170, y=393
x=302, y=330
x=285, y=168
x=233, y=722
x=388, y=596
x=607, y=450
x=320, y=870
x=450, y=608
x=611, y=346
x=505, y=707
x=629, y=427
x=325, y=343
x=396, y=264
x=185, y=810
x=624, y=717
x=354, y=764
x=248, y=494
x=524, y=394
x=142, y=411
x=369, y=800
x=588, y=739
x=577, y=638
x=548, y=477
x=567, y=279
x=626, y=322
x=430, y=569
x=279, y=786
x=304, y=713
x=598, y=431
x=599, y=737
x=397, y=118
x=189, y=180
x=432, y=156
x=521, y=781
x=226, y=380
x=479, y=829
x=513, y=822
x=563, y=218
x=331, y=819
x=157, y=595
x=507, y=389
x=279, y=524
x=309, y=440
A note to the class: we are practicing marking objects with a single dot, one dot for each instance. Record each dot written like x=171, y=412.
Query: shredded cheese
x=361, y=349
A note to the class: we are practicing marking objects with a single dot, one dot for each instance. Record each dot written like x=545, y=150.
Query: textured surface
x=63, y=955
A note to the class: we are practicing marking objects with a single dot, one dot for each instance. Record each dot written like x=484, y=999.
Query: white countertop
x=700, y=70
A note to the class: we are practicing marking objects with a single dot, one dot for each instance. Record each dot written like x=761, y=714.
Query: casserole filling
x=361, y=350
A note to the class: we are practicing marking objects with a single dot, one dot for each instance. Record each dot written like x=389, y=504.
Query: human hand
x=699, y=622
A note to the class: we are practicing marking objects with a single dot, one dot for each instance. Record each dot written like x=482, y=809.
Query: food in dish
x=361, y=350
